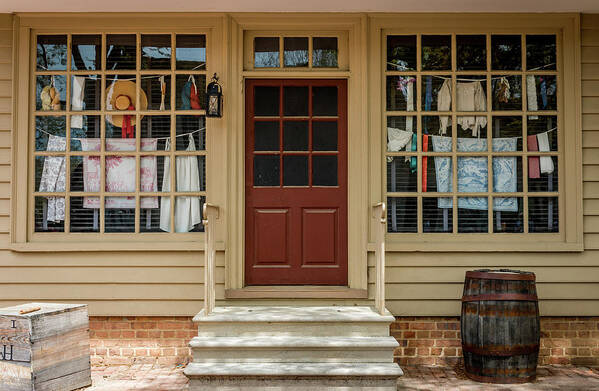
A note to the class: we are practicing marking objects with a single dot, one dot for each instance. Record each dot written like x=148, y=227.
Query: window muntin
x=447, y=155
x=98, y=170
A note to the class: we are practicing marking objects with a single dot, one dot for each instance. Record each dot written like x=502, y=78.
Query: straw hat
x=121, y=94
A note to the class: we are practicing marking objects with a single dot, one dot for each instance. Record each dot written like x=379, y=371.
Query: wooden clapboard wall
x=159, y=283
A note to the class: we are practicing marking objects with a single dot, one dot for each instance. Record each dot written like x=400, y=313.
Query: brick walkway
x=150, y=378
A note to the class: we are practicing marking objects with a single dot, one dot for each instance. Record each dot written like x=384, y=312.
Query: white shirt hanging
x=470, y=96
x=77, y=101
x=187, y=209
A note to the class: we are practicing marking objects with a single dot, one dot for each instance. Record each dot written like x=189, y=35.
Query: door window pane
x=437, y=214
x=324, y=170
x=540, y=52
x=266, y=101
x=295, y=135
x=507, y=92
x=51, y=52
x=541, y=92
x=543, y=214
x=295, y=170
x=471, y=217
x=402, y=214
x=295, y=52
x=324, y=52
x=295, y=101
x=266, y=136
x=266, y=52
x=324, y=101
x=401, y=93
x=266, y=170
x=324, y=136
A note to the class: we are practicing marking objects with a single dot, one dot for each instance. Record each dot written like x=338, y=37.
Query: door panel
x=296, y=182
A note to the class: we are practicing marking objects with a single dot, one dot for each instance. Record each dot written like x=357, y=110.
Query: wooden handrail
x=210, y=212
x=380, y=214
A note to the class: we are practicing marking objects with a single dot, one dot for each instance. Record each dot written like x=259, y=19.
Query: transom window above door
x=297, y=51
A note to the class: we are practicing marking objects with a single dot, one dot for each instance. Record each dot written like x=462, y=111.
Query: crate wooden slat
x=44, y=350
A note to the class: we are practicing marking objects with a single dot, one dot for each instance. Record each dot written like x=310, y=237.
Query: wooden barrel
x=500, y=326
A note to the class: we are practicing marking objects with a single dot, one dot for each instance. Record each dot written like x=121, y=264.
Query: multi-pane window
x=118, y=138
x=472, y=133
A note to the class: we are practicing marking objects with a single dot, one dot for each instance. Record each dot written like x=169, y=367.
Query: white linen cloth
x=120, y=173
x=470, y=96
x=188, y=212
x=398, y=139
x=77, y=101
x=546, y=161
x=531, y=95
x=54, y=178
x=410, y=105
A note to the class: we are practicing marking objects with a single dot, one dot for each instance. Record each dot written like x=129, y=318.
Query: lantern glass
x=214, y=105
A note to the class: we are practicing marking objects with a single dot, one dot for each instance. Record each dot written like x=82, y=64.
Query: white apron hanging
x=187, y=209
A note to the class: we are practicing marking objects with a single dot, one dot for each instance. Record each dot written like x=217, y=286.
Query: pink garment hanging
x=534, y=165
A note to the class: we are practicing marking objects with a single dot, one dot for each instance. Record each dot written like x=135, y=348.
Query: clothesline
x=547, y=131
x=156, y=138
x=96, y=77
x=462, y=79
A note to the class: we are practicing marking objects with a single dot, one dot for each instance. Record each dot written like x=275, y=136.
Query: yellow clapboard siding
x=590, y=190
x=591, y=207
x=6, y=55
x=5, y=189
x=590, y=73
x=449, y=291
x=103, y=291
x=590, y=55
x=5, y=158
x=6, y=38
x=5, y=104
x=4, y=224
x=590, y=88
x=590, y=122
x=5, y=71
x=590, y=105
x=590, y=156
x=131, y=307
x=5, y=173
x=5, y=122
x=590, y=37
x=590, y=139
x=5, y=88
x=589, y=21
x=394, y=275
x=106, y=275
x=591, y=242
x=591, y=225
x=5, y=139
x=492, y=260
x=590, y=173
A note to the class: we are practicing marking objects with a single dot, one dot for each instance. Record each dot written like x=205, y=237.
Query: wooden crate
x=47, y=349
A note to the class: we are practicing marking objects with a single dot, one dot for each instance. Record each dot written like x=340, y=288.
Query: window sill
x=296, y=292
x=34, y=247
x=479, y=243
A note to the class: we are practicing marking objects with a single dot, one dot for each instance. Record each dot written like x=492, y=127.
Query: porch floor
x=153, y=378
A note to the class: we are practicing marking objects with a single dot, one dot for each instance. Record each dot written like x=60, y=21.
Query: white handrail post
x=209, y=212
x=380, y=214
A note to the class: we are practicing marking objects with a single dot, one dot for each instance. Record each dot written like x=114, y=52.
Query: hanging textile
x=546, y=162
x=531, y=95
x=120, y=173
x=473, y=173
x=54, y=178
x=397, y=139
x=424, y=162
x=162, y=92
x=410, y=104
x=128, y=129
x=534, y=167
x=543, y=88
x=189, y=95
x=77, y=101
x=187, y=174
x=470, y=96
x=413, y=159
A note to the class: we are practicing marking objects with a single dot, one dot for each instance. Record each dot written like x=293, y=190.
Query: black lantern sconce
x=214, y=93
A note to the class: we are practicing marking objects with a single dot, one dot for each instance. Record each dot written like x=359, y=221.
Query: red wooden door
x=296, y=182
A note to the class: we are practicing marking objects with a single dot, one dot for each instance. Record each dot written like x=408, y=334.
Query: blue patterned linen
x=473, y=173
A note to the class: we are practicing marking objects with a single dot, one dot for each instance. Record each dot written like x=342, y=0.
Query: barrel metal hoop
x=501, y=276
x=501, y=297
x=508, y=351
x=501, y=380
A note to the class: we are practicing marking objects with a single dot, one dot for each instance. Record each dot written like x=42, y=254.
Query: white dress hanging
x=187, y=209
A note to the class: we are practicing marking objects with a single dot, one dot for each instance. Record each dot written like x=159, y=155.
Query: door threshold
x=296, y=292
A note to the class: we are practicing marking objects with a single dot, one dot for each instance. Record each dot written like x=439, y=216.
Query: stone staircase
x=293, y=348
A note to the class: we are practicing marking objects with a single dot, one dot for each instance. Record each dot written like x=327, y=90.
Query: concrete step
x=265, y=321
x=293, y=376
x=293, y=349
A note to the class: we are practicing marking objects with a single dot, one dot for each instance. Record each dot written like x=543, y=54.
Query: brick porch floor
x=152, y=378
